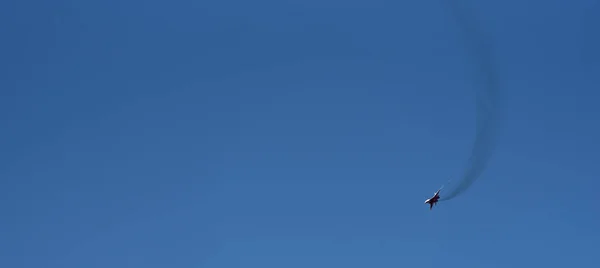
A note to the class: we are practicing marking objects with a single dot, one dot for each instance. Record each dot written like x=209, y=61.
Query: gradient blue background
x=293, y=134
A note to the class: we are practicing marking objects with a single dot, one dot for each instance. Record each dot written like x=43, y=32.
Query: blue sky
x=292, y=134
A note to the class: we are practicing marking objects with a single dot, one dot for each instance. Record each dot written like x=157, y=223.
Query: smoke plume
x=486, y=97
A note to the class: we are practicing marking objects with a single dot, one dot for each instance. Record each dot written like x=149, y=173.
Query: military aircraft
x=432, y=201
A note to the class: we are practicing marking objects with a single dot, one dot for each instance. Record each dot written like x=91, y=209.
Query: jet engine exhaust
x=486, y=100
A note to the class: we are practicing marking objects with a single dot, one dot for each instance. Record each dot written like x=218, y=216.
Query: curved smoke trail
x=486, y=100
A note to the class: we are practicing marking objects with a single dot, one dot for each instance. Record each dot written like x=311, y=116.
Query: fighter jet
x=432, y=201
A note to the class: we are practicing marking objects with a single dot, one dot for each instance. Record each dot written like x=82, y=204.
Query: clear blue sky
x=225, y=134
